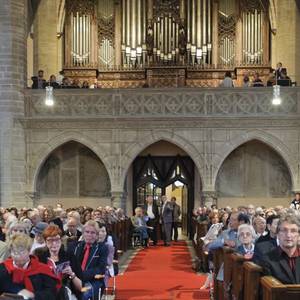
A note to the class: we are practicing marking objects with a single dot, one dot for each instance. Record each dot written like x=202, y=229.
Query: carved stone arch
x=262, y=136
x=164, y=135
x=61, y=139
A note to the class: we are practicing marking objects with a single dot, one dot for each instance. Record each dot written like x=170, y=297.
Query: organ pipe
x=252, y=37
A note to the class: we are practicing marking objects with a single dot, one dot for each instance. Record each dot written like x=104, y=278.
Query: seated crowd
x=48, y=253
x=269, y=237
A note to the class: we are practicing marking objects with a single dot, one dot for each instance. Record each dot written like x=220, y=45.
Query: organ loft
x=157, y=43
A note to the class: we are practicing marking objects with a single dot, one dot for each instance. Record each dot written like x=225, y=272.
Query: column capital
x=118, y=199
x=208, y=198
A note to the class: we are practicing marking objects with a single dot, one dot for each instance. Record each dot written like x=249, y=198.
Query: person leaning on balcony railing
x=227, y=81
x=257, y=82
x=38, y=82
x=52, y=82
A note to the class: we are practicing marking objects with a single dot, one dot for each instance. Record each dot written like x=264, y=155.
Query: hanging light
x=276, y=95
x=178, y=183
x=49, y=100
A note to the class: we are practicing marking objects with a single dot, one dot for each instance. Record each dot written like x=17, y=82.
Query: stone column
x=13, y=57
x=118, y=200
x=209, y=198
x=45, y=39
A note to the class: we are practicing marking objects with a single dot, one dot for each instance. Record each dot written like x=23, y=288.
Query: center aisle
x=161, y=273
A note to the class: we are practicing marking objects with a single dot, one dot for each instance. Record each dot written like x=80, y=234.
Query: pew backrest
x=273, y=289
x=252, y=275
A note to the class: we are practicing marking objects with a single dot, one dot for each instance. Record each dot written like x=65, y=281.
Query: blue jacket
x=97, y=260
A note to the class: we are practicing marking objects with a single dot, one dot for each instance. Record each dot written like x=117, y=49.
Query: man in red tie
x=93, y=259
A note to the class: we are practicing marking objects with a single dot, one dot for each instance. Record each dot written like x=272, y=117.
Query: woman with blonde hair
x=24, y=275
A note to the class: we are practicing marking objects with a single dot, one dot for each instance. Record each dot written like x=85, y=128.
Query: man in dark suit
x=283, y=262
x=166, y=218
x=38, y=82
x=268, y=242
x=295, y=204
x=93, y=259
x=176, y=215
x=151, y=211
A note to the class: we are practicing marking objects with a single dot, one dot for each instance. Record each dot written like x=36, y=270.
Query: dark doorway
x=154, y=175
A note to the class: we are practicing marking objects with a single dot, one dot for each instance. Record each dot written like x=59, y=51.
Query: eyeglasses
x=286, y=231
x=245, y=234
x=53, y=240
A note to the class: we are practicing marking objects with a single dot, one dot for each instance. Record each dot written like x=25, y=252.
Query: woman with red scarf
x=24, y=275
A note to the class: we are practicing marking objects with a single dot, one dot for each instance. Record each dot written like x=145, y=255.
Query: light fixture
x=49, y=101
x=178, y=183
x=276, y=95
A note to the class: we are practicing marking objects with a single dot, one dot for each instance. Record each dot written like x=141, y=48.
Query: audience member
x=282, y=261
x=140, y=226
x=257, y=82
x=53, y=83
x=295, y=204
x=227, y=81
x=24, y=275
x=63, y=264
x=151, y=211
x=246, y=236
x=38, y=82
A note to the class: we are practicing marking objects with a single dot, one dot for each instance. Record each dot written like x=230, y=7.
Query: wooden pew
x=275, y=290
x=201, y=229
x=227, y=254
x=252, y=275
x=218, y=259
x=237, y=286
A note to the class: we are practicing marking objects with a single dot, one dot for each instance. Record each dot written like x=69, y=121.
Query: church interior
x=105, y=102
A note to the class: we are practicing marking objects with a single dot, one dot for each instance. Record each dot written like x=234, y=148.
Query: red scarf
x=22, y=276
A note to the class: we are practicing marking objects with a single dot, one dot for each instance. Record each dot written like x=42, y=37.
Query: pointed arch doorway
x=165, y=175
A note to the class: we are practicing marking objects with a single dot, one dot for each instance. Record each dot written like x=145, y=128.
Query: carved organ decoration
x=227, y=19
x=80, y=33
x=168, y=32
x=253, y=16
x=106, y=30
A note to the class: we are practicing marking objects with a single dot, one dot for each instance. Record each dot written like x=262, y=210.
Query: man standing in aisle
x=151, y=210
x=166, y=217
x=176, y=215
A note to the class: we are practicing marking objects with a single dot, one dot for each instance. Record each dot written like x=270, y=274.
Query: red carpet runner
x=161, y=273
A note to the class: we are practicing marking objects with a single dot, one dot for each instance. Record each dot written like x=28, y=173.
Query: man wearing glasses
x=283, y=262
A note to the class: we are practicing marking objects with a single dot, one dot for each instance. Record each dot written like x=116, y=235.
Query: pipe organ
x=199, y=31
x=252, y=20
x=140, y=34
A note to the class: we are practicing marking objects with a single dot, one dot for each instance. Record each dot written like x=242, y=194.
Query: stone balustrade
x=162, y=103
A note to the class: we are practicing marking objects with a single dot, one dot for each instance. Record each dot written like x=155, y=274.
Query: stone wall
x=207, y=124
x=253, y=172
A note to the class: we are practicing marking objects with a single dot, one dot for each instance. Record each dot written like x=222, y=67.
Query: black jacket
x=276, y=265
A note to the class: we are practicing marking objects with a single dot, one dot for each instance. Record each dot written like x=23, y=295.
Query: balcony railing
x=162, y=103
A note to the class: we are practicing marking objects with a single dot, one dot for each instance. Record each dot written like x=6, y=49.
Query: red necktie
x=86, y=256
